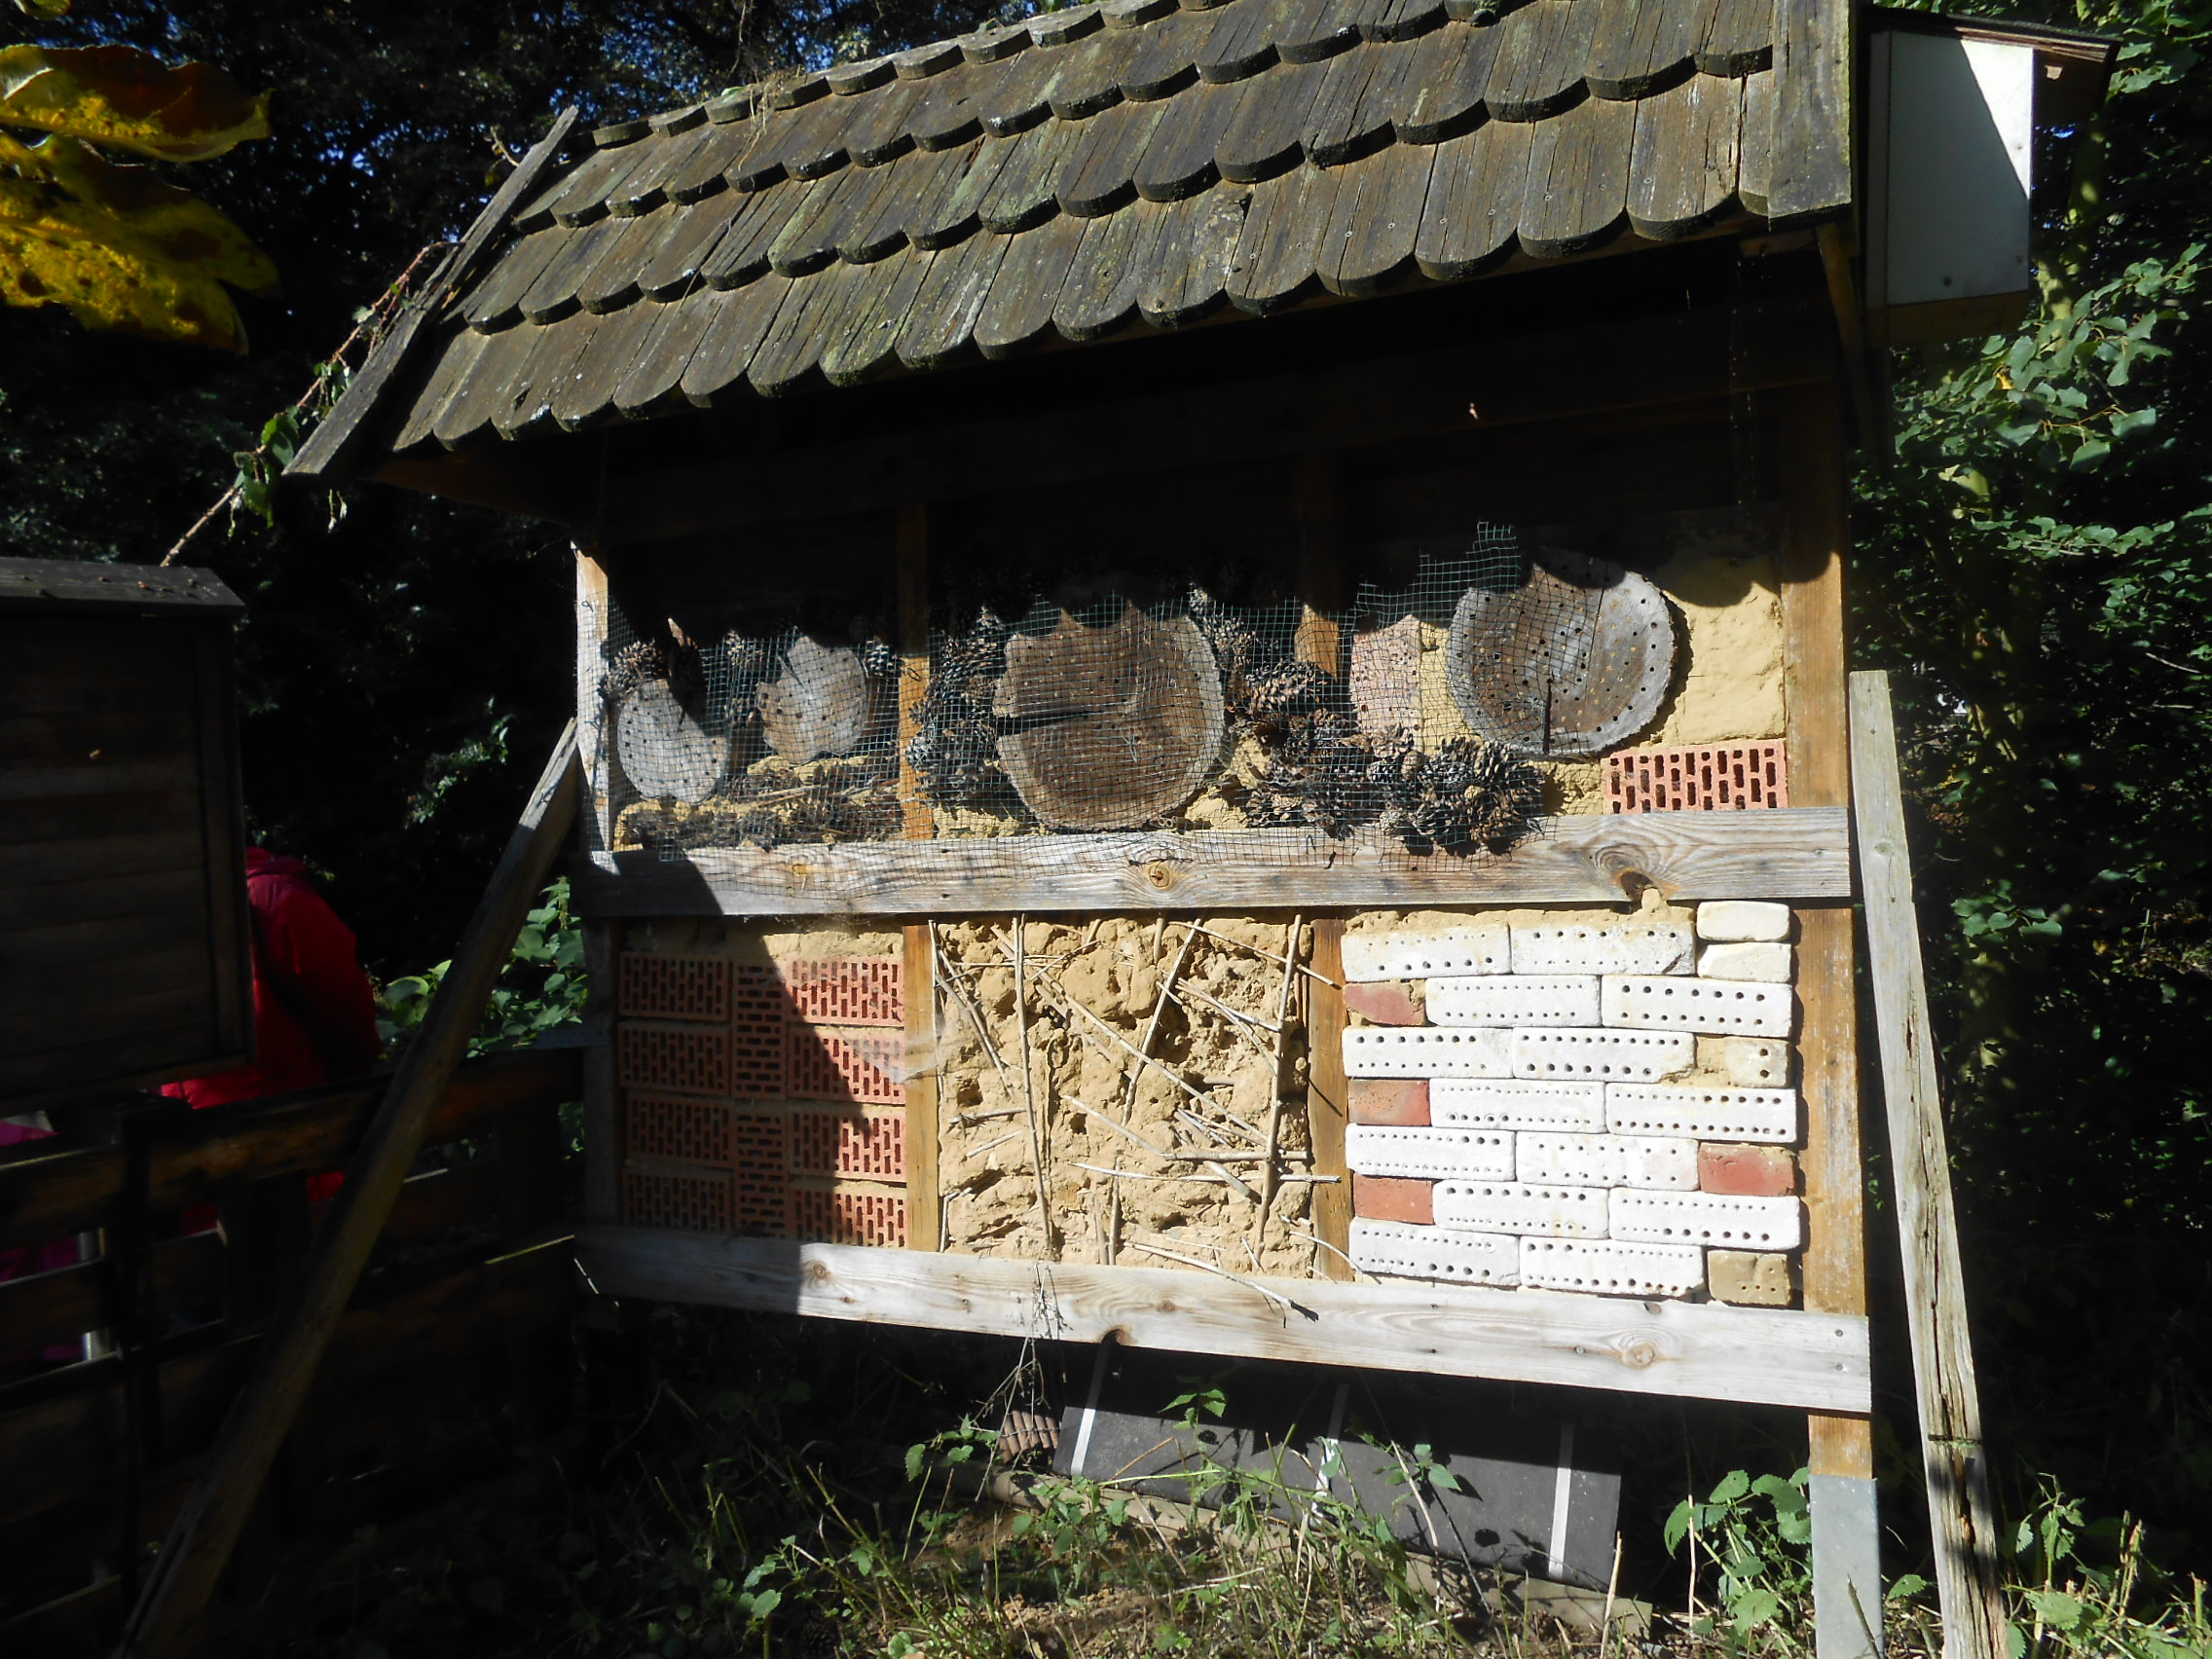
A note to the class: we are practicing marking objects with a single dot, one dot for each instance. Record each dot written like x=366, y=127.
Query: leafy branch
x=254, y=488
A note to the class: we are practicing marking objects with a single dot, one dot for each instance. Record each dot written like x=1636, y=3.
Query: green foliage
x=2086, y=1590
x=2036, y=562
x=1755, y=1535
x=541, y=989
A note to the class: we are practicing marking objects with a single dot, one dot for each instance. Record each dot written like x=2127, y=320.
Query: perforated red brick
x=690, y=1059
x=1718, y=777
x=849, y=1218
x=697, y=1203
x=848, y=990
x=871, y=1144
x=674, y=987
x=759, y=1015
x=860, y=1067
x=678, y=1126
x=762, y=1139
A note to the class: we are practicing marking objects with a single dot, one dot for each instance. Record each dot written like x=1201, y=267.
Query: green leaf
x=2089, y=455
x=2057, y=1608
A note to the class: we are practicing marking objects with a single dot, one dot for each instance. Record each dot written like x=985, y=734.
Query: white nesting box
x=1952, y=140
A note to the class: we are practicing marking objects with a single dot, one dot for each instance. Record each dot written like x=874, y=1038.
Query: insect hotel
x=1210, y=669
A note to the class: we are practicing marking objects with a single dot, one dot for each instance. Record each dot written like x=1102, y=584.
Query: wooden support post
x=1847, y=1585
x=924, y=1212
x=1328, y=1107
x=1960, y=1513
x=602, y=1104
x=198, y=1545
x=1321, y=582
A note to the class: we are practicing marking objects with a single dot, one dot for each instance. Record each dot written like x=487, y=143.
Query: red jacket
x=306, y=974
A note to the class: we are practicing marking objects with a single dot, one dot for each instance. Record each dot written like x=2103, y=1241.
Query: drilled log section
x=1572, y=661
x=1109, y=727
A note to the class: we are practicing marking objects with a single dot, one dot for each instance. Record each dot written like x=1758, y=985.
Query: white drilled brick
x=1401, y=1248
x=1709, y=1218
x=1604, y=1267
x=1516, y=1103
x=1520, y=1207
x=1733, y=1008
x=1420, y=1051
x=1755, y=1063
x=1480, y=949
x=1733, y=921
x=1598, y=947
x=1768, y=1115
x=1514, y=999
x=1602, y=1056
x=1771, y=964
x=1607, y=1161
x=1430, y=1154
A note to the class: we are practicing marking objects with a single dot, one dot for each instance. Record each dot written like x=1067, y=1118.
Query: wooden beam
x=53, y=1188
x=336, y=445
x=1771, y=1356
x=200, y=1545
x=1793, y=854
x=603, y=1100
x=924, y=1213
x=1630, y=363
x=1328, y=1101
x=1846, y=1587
x=1967, y=1587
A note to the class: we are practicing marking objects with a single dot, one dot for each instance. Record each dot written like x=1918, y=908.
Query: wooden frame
x=1794, y=854
x=1751, y=1355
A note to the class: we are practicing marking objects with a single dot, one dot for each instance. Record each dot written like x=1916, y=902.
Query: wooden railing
x=455, y=1349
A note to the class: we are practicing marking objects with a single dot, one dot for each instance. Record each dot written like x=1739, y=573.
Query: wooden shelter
x=1210, y=669
x=123, y=943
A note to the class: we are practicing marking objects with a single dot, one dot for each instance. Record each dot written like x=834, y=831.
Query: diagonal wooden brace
x=206, y=1530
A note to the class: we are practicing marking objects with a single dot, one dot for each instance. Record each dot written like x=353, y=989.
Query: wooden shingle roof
x=1099, y=168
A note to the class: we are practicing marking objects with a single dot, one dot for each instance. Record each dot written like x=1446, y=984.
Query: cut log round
x=1575, y=661
x=818, y=705
x=1111, y=727
x=665, y=753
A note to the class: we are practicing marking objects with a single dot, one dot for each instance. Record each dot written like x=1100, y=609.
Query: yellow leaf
x=128, y=100
x=44, y=8
x=120, y=249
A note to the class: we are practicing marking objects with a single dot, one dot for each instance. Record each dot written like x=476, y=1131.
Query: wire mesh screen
x=1093, y=701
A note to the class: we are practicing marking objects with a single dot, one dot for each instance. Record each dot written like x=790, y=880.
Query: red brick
x=1386, y=1004
x=1386, y=1197
x=1746, y=1171
x=1399, y=1101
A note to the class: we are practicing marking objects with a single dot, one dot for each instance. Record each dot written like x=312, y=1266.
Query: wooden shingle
x=1016, y=184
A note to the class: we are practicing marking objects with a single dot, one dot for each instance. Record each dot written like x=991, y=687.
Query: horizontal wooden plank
x=53, y=1451
x=183, y=922
x=49, y=1190
x=91, y=737
x=44, y=583
x=28, y=872
x=78, y=819
x=175, y=1036
x=37, y=781
x=60, y=1306
x=1797, y=854
x=32, y=993
x=1705, y=1350
x=97, y=896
